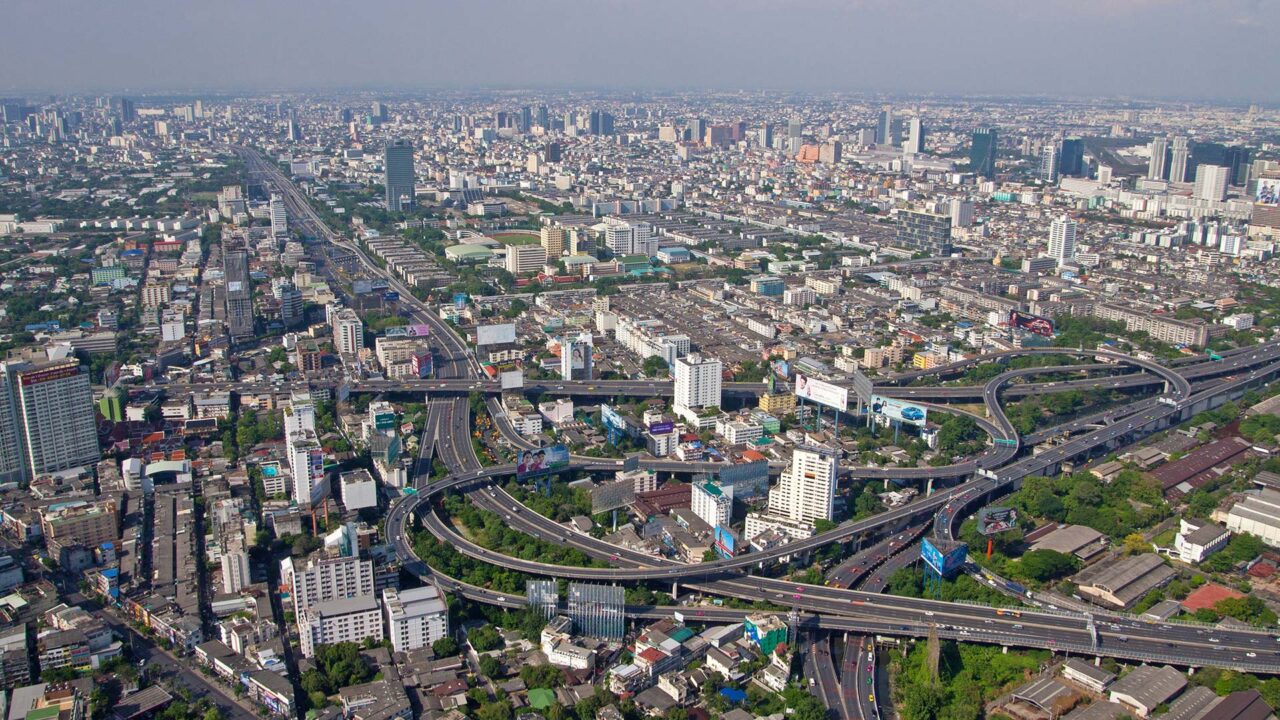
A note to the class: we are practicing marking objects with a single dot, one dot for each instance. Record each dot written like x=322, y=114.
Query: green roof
x=44, y=713
x=541, y=698
x=711, y=488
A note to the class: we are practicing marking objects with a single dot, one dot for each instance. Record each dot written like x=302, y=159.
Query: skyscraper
x=398, y=177
x=541, y=118
x=924, y=232
x=807, y=489
x=601, y=123
x=915, y=137
x=46, y=419
x=795, y=128
x=279, y=216
x=1211, y=182
x=1157, y=166
x=1049, y=162
x=982, y=152
x=1071, y=157
x=697, y=381
x=239, y=294
x=884, y=128
x=1178, y=161
x=1062, y=239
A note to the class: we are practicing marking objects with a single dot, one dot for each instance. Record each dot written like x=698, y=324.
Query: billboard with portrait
x=1031, y=323
x=903, y=412
x=541, y=461
x=823, y=393
x=1268, y=192
x=992, y=520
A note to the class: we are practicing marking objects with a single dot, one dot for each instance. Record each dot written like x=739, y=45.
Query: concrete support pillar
x=928, y=489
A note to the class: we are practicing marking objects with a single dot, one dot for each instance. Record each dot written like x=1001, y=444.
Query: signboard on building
x=992, y=520
x=1031, y=323
x=612, y=418
x=661, y=428
x=612, y=494
x=726, y=543
x=823, y=393
x=512, y=379
x=1268, y=192
x=501, y=334
x=541, y=461
x=900, y=411
x=945, y=563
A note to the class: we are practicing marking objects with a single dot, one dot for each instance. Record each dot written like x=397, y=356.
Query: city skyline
x=989, y=47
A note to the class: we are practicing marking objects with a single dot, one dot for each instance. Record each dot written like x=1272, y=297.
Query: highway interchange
x=821, y=610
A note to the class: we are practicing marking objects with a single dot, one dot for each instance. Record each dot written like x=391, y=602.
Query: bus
x=1215, y=356
x=1010, y=613
x=410, y=491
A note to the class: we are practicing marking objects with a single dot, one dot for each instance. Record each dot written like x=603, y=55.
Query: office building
x=239, y=291
x=235, y=563
x=795, y=128
x=915, y=137
x=924, y=232
x=292, y=306
x=1157, y=166
x=830, y=152
x=326, y=578
x=352, y=620
x=1178, y=160
x=398, y=175
x=306, y=464
x=1049, y=162
x=982, y=152
x=629, y=238
x=47, y=421
x=415, y=618
x=1062, y=239
x=553, y=241
x=1211, y=182
x=279, y=217
x=961, y=212
x=807, y=489
x=697, y=382
x=348, y=332
x=600, y=123
x=525, y=259
x=885, y=128
x=712, y=503
x=1071, y=158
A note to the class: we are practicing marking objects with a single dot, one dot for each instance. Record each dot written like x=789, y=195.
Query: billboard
x=823, y=393
x=781, y=369
x=612, y=418
x=898, y=410
x=512, y=379
x=1031, y=323
x=541, y=461
x=460, y=300
x=661, y=428
x=612, y=494
x=945, y=561
x=495, y=334
x=1268, y=192
x=726, y=542
x=862, y=387
x=992, y=520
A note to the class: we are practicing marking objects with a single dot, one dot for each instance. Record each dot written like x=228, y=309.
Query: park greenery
x=968, y=676
x=337, y=665
x=491, y=532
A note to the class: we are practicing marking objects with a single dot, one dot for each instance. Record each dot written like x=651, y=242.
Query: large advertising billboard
x=726, y=542
x=1268, y=192
x=862, y=386
x=823, y=393
x=512, y=379
x=945, y=561
x=495, y=334
x=612, y=494
x=898, y=410
x=661, y=428
x=541, y=461
x=612, y=418
x=1031, y=323
x=992, y=520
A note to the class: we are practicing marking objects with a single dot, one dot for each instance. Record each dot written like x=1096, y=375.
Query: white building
x=1062, y=239
x=279, y=217
x=348, y=332
x=306, y=465
x=1211, y=182
x=415, y=618
x=629, y=238
x=698, y=382
x=807, y=489
x=47, y=419
x=1197, y=540
x=1258, y=515
x=326, y=578
x=1239, y=321
x=713, y=503
x=352, y=619
x=359, y=490
x=525, y=259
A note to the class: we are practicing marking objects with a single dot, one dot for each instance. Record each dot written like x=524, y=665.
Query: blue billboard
x=541, y=461
x=726, y=542
x=945, y=563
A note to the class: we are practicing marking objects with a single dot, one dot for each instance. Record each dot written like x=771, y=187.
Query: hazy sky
x=1162, y=48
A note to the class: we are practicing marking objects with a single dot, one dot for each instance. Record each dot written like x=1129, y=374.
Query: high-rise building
x=697, y=381
x=239, y=291
x=795, y=128
x=524, y=259
x=712, y=503
x=47, y=419
x=398, y=177
x=924, y=232
x=1157, y=166
x=352, y=620
x=526, y=118
x=576, y=353
x=766, y=135
x=348, y=332
x=1049, y=162
x=415, y=618
x=292, y=308
x=128, y=112
x=961, y=212
x=807, y=489
x=915, y=138
x=279, y=216
x=884, y=128
x=326, y=578
x=1237, y=160
x=601, y=122
x=830, y=152
x=1211, y=182
x=379, y=111
x=541, y=118
x=623, y=237
x=553, y=241
x=982, y=152
x=1071, y=157
x=1178, y=161
x=1062, y=239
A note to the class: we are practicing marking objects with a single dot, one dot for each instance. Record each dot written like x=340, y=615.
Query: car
x=869, y=678
x=929, y=613
x=871, y=697
x=1251, y=654
x=501, y=599
x=871, y=668
x=1214, y=640
x=796, y=596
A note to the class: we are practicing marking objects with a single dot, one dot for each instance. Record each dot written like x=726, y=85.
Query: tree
x=1135, y=544
x=654, y=366
x=445, y=647
x=1042, y=565
x=541, y=676
x=494, y=711
x=484, y=638
x=490, y=666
